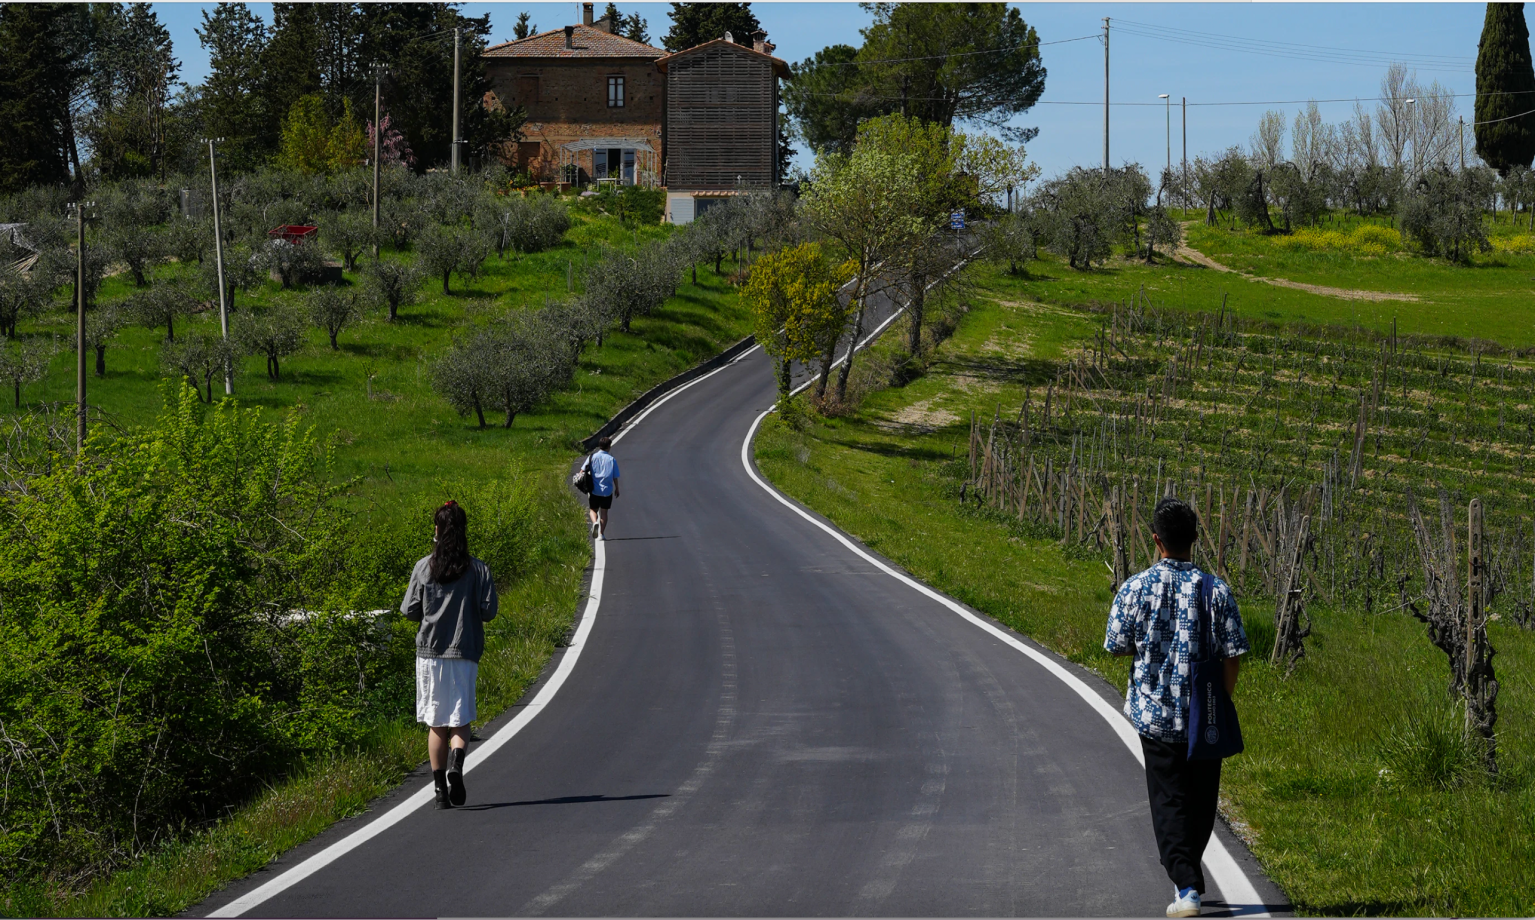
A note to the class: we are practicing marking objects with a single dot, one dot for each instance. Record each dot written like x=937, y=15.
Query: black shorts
x=599, y=502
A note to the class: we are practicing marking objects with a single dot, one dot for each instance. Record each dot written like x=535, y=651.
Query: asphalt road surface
x=757, y=720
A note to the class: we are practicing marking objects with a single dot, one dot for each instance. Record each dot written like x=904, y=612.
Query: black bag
x=1214, y=732
x=583, y=480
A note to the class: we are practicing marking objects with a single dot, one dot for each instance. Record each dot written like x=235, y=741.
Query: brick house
x=721, y=114
x=594, y=102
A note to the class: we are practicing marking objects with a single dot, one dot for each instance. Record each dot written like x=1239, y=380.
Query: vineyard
x=1367, y=471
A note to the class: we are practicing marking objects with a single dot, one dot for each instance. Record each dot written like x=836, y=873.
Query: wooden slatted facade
x=721, y=117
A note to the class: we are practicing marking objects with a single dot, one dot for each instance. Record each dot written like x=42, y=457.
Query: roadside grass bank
x=1357, y=792
x=404, y=451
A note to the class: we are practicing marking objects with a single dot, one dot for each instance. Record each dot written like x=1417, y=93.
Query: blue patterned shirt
x=1156, y=615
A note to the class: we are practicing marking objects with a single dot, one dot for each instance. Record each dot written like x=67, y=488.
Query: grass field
x=1483, y=300
x=1354, y=792
x=405, y=449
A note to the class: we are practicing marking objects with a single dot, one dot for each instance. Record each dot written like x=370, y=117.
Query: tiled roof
x=589, y=43
x=779, y=66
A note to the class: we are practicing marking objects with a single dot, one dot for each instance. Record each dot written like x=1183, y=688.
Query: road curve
x=760, y=722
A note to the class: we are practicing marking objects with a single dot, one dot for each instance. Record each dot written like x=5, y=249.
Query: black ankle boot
x=456, y=791
x=440, y=781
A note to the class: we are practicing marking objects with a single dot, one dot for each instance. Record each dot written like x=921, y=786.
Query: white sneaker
x=594, y=530
x=1186, y=906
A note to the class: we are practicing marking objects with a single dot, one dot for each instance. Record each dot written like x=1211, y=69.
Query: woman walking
x=452, y=596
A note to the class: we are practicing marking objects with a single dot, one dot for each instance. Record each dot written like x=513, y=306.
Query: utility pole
x=80, y=404
x=1167, y=105
x=1105, y=95
x=455, y=100
x=378, y=130
x=218, y=256
x=1185, y=153
x=1462, y=143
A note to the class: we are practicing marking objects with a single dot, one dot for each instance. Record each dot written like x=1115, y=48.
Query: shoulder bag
x=1214, y=732
x=583, y=480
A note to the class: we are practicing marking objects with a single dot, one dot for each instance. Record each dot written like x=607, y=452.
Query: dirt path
x=1195, y=257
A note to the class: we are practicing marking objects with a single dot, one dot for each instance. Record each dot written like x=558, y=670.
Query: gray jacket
x=452, y=615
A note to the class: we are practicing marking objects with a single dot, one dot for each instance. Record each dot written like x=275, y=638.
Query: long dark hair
x=450, y=557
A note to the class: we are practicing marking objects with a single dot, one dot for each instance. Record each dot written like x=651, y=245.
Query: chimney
x=570, y=37
x=586, y=14
x=760, y=42
x=604, y=25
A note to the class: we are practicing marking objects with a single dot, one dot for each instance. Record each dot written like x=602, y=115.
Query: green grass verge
x=405, y=448
x=1485, y=300
x=1339, y=834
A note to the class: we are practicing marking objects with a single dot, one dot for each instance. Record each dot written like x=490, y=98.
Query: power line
x=1312, y=53
x=938, y=57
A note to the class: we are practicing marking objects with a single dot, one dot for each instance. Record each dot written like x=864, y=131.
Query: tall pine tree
x=696, y=23
x=1505, y=88
x=42, y=63
x=233, y=105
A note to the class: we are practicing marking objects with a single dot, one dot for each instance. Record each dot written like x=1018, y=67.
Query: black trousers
x=1183, y=797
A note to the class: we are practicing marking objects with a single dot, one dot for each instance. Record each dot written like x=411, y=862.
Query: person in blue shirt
x=604, y=487
x=1155, y=619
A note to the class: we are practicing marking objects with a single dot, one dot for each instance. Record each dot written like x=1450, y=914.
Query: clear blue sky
x=1218, y=66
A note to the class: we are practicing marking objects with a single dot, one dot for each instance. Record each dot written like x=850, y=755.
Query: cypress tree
x=1505, y=88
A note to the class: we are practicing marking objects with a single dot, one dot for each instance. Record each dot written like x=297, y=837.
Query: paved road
x=761, y=722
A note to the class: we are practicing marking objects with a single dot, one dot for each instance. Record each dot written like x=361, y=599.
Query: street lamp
x=1169, y=106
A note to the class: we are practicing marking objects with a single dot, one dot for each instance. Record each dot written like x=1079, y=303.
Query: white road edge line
x=398, y=813
x=1241, y=895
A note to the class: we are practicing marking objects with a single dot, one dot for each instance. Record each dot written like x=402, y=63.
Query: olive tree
x=131, y=216
x=274, y=334
x=101, y=327
x=348, y=234
x=510, y=366
x=444, y=251
x=1442, y=213
x=392, y=285
x=292, y=263
x=25, y=361
x=199, y=357
x=160, y=305
x=332, y=311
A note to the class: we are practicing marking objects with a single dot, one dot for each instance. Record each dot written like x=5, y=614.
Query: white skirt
x=445, y=691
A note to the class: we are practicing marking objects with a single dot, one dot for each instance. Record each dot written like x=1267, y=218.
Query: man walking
x=1155, y=617
x=604, y=487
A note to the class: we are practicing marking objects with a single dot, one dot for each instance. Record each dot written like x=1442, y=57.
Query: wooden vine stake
x=1481, y=687
x=1290, y=604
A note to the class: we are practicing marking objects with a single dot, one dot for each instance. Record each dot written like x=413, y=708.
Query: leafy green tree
x=797, y=309
x=134, y=713
x=274, y=334
x=332, y=311
x=1076, y=217
x=233, y=105
x=392, y=285
x=696, y=23
x=1505, y=84
x=524, y=26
